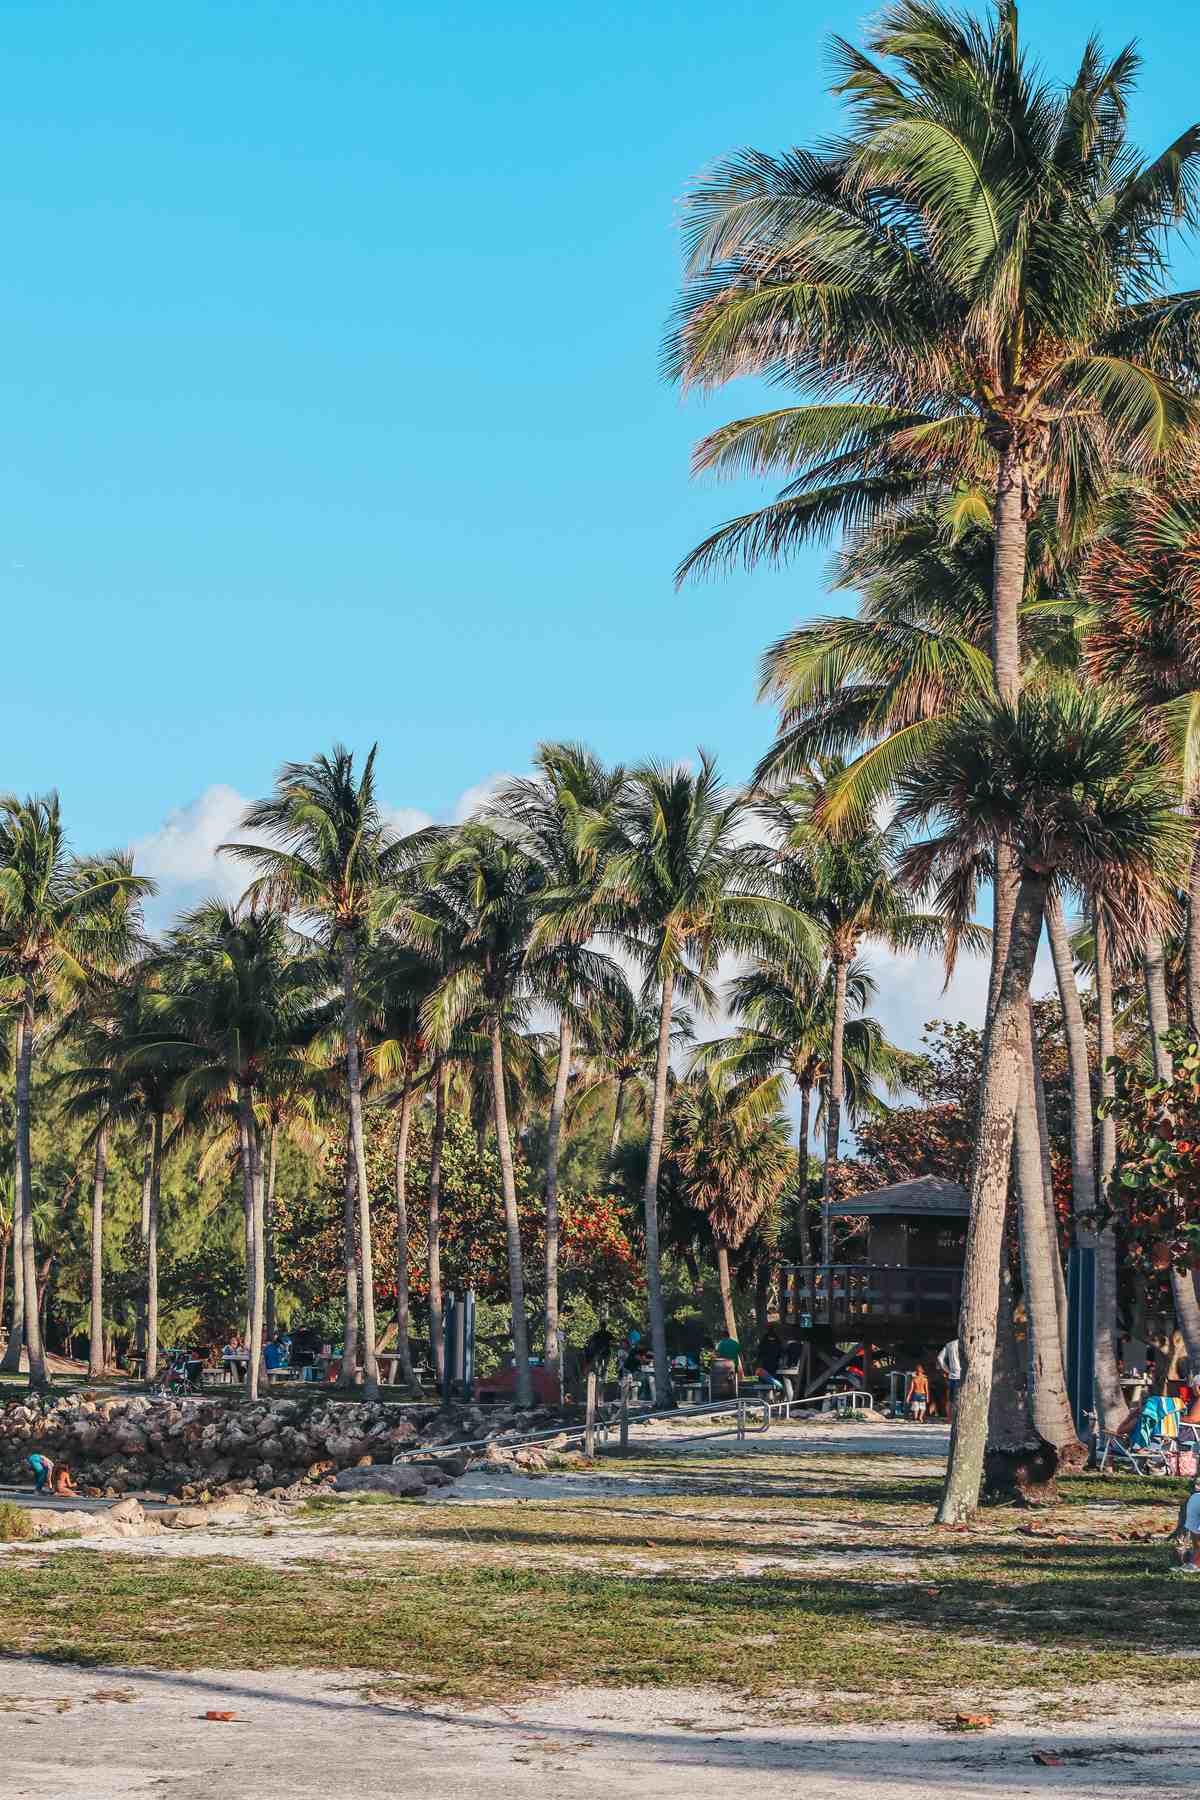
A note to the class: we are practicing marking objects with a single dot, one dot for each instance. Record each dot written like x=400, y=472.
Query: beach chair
x=1119, y=1457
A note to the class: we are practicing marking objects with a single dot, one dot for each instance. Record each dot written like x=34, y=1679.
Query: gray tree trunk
x=256, y=1370
x=1010, y=1427
x=1048, y=1398
x=615, y=1136
x=39, y=1380
x=658, y=1115
x=436, y=1345
x=1183, y=1282
x=1192, y=944
x=354, y=1096
x=403, y=1334
x=96, y=1363
x=723, y=1277
x=1043, y=1125
x=1109, y=1393
x=512, y=1222
x=999, y=1090
x=833, y=1104
x=272, y=1324
x=802, y=1142
x=1008, y=576
x=152, y=1249
x=553, y=1140
x=349, y=1266
x=11, y=1362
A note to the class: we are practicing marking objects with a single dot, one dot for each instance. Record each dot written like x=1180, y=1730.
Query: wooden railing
x=858, y=1295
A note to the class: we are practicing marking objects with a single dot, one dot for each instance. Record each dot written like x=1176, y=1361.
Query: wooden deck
x=871, y=1302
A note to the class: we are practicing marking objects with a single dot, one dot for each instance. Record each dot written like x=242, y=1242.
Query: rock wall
x=212, y=1444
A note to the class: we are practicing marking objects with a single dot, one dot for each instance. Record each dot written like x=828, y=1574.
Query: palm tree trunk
x=246, y=1127
x=152, y=1250
x=349, y=1267
x=1109, y=1393
x=833, y=1110
x=403, y=1340
x=271, y=1323
x=437, y=1347
x=147, y=1192
x=726, y=1291
x=3, y=1276
x=1008, y=575
x=258, y=1304
x=1010, y=1427
x=1083, y=1172
x=658, y=1116
x=512, y=1223
x=553, y=1139
x=1049, y=1402
x=802, y=1141
x=1043, y=1127
x=1193, y=944
x=354, y=1095
x=16, y=1338
x=999, y=1092
x=1183, y=1282
x=96, y=1316
x=615, y=1136
x=39, y=1381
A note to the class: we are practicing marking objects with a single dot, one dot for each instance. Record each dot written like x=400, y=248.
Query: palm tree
x=334, y=855
x=971, y=284
x=676, y=889
x=845, y=881
x=570, y=790
x=474, y=912
x=733, y=1156
x=786, y=1010
x=233, y=1020
x=621, y=1054
x=1068, y=778
x=58, y=920
x=398, y=983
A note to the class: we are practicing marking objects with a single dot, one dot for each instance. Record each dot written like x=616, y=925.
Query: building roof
x=928, y=1197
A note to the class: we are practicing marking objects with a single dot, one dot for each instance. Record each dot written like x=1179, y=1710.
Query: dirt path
x=121, y=1732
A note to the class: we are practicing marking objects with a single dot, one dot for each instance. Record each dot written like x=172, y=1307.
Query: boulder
x=383, y=1479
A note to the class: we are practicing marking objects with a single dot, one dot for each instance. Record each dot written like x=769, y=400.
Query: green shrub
x=15, y=1523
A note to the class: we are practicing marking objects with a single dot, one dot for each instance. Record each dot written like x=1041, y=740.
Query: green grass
x=15, y=1523
x=864, y=1602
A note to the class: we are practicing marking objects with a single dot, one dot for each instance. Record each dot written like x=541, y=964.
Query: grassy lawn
x=808, y=1582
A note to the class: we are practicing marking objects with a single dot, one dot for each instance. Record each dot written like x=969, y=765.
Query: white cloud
x=470, y=801
x=404, y=820
x=182, y=854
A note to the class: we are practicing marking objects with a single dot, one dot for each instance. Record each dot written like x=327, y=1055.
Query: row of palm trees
x=998, y=404
x=364, y=969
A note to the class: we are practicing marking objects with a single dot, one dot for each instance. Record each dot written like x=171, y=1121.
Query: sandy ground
x=121, y=1732
x=297, y=1735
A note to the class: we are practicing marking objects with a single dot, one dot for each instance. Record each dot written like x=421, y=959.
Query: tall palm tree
x=677, y=888
x=398, y=983
x=235, y=1015
x=476, y=905
x=620, y=1056
x=734, y=1158
x=786, y=1011
x=846, y=882
x=332, y=854
x=58, y=920
x=569, y=791
x=970, y=283
x=1070, y=780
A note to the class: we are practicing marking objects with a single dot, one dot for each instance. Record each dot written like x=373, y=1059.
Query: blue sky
x=329, y=391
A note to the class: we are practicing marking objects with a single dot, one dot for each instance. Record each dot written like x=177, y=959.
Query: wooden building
x=903, y=1294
